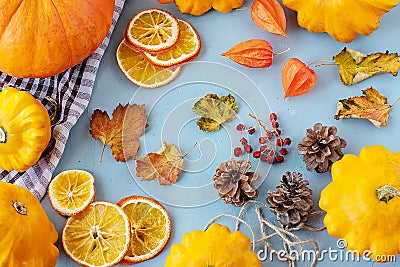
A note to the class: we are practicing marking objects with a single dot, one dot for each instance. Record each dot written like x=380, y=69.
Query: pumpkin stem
x=19, y=207
x=56, y=114
x=387, y=192
x=3, y=135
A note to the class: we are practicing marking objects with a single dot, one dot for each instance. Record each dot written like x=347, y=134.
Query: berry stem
x=262, y=123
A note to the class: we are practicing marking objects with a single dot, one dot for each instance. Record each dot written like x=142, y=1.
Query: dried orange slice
x=150, y=228
x=97, y=236
x=71, y=191
x=187, y=48
x=140, y=71
x=152, y=30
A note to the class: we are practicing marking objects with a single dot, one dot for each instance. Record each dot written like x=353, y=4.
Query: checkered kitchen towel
x=72, y=89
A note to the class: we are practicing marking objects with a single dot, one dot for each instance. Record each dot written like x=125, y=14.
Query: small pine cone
x=321, y=148
x=234, y=182
x=291, y=202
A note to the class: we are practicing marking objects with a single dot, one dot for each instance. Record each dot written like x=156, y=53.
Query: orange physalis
x=269, y=15
x=252, y=53
x=297, y=78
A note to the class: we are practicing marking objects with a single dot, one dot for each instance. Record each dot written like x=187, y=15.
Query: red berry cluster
x=266, y=151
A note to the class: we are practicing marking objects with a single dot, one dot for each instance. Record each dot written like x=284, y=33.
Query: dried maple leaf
x=122, y=131
x=356, y=66
x=165, y=165
x=371, y=106
x=297, y=78
x=251, y=53
x=269, y=15
x=214, y=111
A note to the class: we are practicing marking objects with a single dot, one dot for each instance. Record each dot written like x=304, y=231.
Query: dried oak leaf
x=356, y=66
x=214, y=111
x=122, y=131
x=165, y=165
x=371, y=106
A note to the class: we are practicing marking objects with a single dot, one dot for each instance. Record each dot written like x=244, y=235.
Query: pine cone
x=291, y=202
x=321, y=148
x=234, y=182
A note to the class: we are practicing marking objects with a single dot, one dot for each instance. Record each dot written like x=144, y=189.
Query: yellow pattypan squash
x=215, y=247
x=199, y=7
x=343, y=19
x=25, y=129
x=363, y=202
x=27, y=236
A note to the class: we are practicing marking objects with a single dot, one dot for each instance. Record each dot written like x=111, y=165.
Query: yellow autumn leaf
x=371, y=106
x=356, y=66
x=214, y=111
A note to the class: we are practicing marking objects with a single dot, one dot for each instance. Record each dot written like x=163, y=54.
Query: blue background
x=219, y=32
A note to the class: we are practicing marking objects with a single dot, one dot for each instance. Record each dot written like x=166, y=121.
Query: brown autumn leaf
x=122, y=131
x=269, y=15
x=297, y=78
x=165, y=165
x=371, y=106
x=253, y=53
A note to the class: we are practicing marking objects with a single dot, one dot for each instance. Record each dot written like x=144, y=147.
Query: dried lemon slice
x=97, y=236
x=140, y=71
x=152, y=30
x=186, y=49
x=71, y=191
x=150, y=228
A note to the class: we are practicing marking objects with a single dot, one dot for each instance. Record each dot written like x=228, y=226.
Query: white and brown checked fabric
x=72, y=90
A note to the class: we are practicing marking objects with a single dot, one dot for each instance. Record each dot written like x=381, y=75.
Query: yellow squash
x=363, y=202
x=343, y=19
x=216, y=247
x=27, y=235
x=25, y=129
x=199, y=7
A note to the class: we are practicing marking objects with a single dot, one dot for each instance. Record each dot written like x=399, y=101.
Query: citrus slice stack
x=150, y=228
x=186, y=49
x=97, y=236
x=140, y=71
x=155, y=45
x=71, y=191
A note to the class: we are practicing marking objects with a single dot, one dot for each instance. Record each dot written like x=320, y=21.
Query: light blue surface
x=171, y=119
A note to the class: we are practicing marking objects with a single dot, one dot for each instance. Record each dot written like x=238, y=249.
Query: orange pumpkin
x=44, y=38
